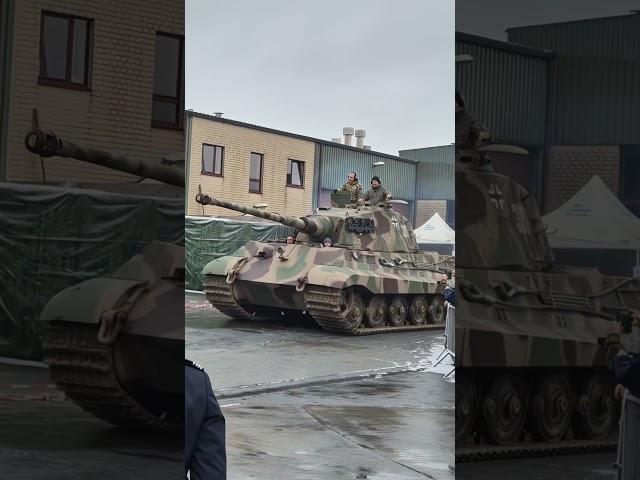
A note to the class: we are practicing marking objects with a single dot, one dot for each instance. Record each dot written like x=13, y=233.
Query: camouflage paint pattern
x=384, y=259
x=147, y=287
x=115, y=344
x=529, y=332
x=553, y=319
x=535, y=313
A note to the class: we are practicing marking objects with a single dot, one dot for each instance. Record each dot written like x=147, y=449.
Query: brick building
x=247, y=165
x=109, y=74
x=291, y=173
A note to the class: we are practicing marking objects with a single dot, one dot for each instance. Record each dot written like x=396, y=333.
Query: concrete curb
x=22, y=363
x=252, y=390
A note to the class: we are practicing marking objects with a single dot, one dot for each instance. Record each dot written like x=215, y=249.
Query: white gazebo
x=436, y=234
x=594, y=219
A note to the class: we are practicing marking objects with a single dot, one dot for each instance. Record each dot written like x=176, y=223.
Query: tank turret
x=49, y=144
x=373, y=228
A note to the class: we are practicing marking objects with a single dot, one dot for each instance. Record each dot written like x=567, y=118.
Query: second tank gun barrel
x=48, y=144
x=296, y=222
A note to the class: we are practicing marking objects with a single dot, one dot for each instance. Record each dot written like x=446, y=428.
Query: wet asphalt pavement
x=302, y=403
x=44, y=436
x=568, y=467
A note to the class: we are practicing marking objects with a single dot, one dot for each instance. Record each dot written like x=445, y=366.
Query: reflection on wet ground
x=43, y=436
x=329, y=406
x=597, y=466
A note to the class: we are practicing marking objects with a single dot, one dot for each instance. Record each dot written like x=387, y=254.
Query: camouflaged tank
x=373, y=279
x=115, y=344
x=531, y=349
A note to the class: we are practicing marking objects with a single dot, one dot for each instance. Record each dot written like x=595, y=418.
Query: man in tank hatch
x=353, y=187
x=377, y=193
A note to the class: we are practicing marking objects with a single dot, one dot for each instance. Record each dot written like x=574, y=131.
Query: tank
x=531, y=335
x=372, y=279
x=115, y=344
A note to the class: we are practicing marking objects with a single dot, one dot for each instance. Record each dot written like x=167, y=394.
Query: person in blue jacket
x=449, y=295
x=625, y=365
x=204, y=436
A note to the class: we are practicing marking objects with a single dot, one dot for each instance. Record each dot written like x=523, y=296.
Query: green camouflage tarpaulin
x=209, y=238
x=52, y=238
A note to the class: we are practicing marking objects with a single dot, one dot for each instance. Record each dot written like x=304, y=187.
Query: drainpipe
x=317, y=172
x=7, y=24
x=187, y=158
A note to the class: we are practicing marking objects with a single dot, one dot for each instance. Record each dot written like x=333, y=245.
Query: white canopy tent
x=435, y=231
x=594, y=218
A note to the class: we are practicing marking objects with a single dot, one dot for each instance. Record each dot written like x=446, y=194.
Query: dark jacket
x=449, y=295
x=627, y=371
x=376, y=195
x=204, y=440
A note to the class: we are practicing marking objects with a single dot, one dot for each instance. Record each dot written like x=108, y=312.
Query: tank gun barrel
x=48, y=144
x=300, y=224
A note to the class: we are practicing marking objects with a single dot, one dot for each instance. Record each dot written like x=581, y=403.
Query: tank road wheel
x=552, y=406
x=437, y=310
x=418, y=310
x=596, y=412
x=504, y=409
x=398, y=310
x=376, y=311
x=466, y=407
x=351, y=309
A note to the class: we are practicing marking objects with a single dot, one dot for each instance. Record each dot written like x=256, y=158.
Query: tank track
x=220, y=295
x=84, y=370
x=529, y=450
x=323, y=306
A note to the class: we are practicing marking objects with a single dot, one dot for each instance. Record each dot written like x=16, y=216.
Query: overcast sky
x=490, y=18
x=313, y=67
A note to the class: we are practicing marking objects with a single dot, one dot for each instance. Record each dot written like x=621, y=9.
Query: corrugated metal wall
x=506, y=90
x=397, y=176
x=436, y=172
x=596, y=102
x=610, y=37
x=596, y=78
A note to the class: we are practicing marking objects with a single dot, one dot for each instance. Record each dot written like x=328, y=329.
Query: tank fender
x=341, y=277
x=86, y=302
x=221, y=266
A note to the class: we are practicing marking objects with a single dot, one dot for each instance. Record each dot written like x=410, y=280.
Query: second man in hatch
x=377, y=193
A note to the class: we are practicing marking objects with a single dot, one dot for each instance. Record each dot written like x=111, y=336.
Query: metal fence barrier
x=628, y=463
x=449, y=338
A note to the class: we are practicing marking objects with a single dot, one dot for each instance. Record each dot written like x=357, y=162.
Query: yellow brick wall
x=239, y=142
x=116, y=113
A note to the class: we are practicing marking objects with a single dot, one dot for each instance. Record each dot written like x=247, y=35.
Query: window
x=65, y=47
x=168, y=81
x=295, y=174
x=255, y=173
x=212, y=158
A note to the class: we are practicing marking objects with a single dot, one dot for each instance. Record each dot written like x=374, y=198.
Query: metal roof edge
x=566, y=22
x=274, y=131
x=500, y=45
x=427, y=148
